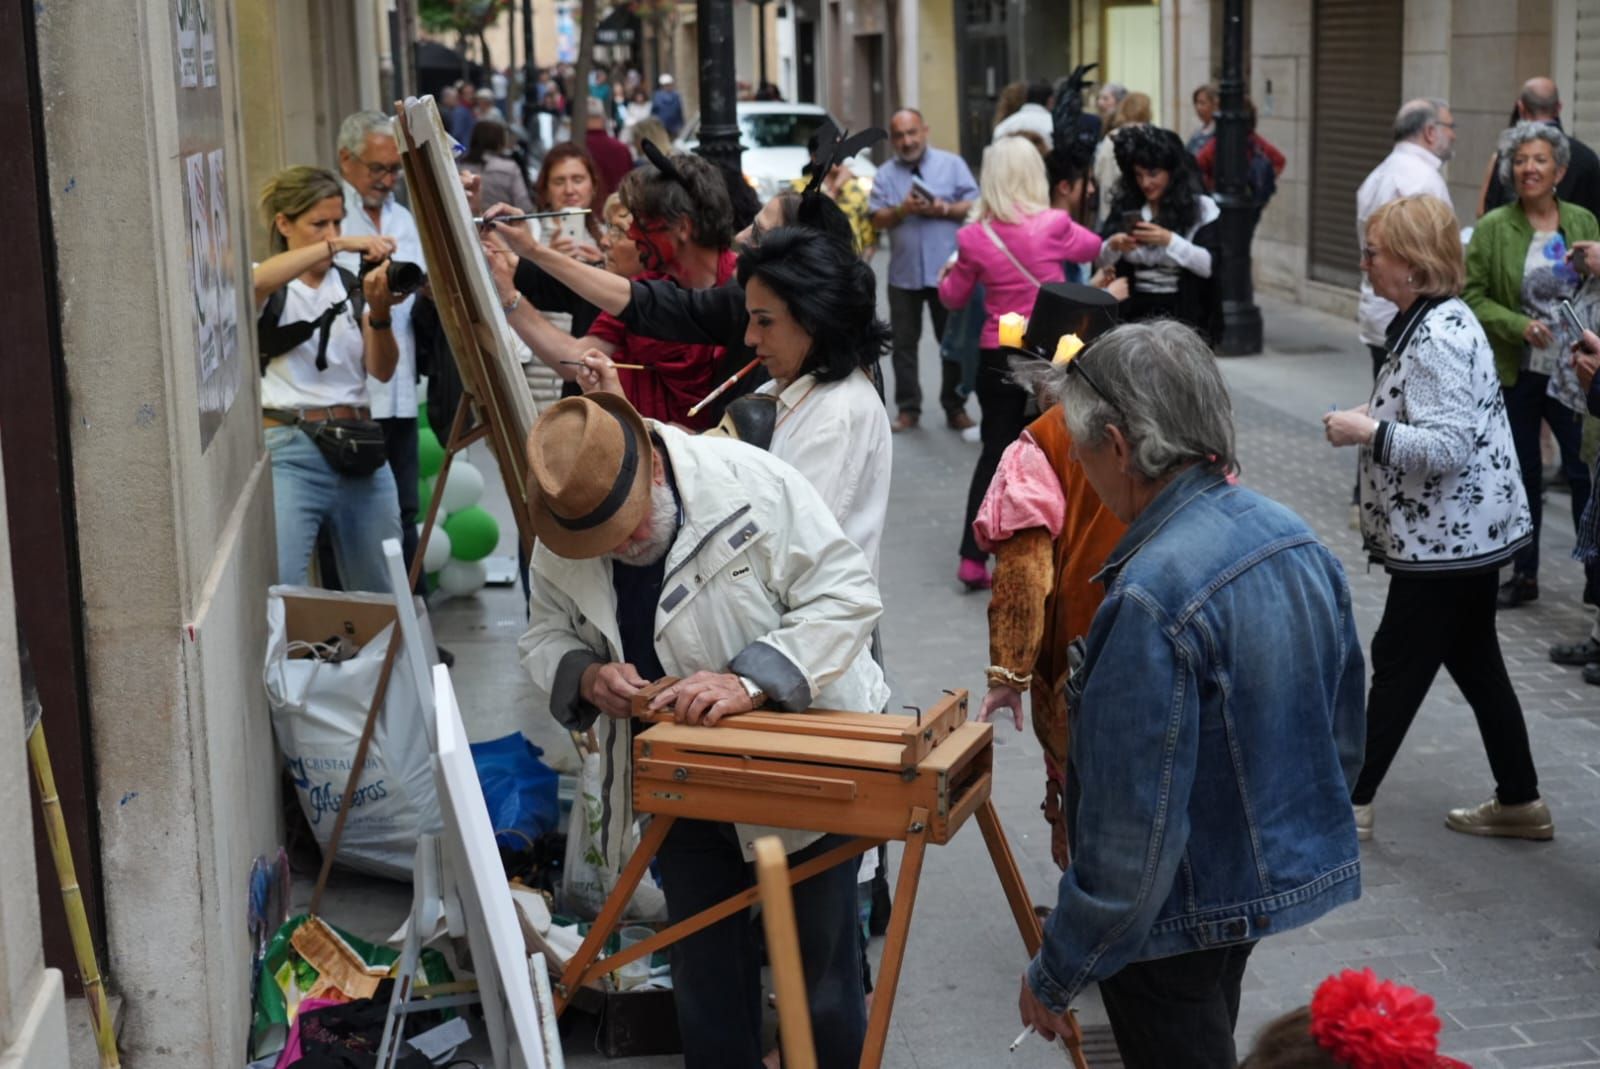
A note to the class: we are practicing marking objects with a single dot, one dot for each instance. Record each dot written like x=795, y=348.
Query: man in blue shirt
x=921, y=198
x=667, y=105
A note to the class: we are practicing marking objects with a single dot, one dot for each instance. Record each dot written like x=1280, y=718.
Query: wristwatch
x=377, y=324
x=757, y=695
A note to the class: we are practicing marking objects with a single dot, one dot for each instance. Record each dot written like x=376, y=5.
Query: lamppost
x=530, y=90
x=1241, y=319
x=719, y=117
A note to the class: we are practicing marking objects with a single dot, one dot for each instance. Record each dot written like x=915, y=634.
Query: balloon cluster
x=465, y=533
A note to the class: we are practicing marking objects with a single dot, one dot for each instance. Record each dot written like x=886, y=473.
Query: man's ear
x=1119, y=447
x=658, y=469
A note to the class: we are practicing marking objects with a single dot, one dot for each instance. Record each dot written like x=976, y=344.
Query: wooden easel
x=495, y=392
x=874, y=777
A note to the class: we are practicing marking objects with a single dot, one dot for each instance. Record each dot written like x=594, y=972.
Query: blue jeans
x=360, y=513
x=1527, y=405
x=716, y=973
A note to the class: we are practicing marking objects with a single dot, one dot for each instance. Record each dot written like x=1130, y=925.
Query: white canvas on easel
x=499, y=957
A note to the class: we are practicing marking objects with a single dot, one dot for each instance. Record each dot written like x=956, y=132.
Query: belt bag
x=351, y=446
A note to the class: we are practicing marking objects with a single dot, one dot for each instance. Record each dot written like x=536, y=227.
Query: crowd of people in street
x=737, y=544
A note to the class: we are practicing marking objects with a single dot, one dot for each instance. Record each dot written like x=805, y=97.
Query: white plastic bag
x=585, y=878
x=318, y=710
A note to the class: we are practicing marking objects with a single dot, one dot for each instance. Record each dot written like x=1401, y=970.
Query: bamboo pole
x=94, y=989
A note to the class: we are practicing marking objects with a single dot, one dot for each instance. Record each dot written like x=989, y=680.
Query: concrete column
x=175, y=538
x=33, y=1023
x=1493, y=49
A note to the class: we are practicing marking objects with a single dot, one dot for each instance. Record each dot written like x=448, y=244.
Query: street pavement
x=1502, y=933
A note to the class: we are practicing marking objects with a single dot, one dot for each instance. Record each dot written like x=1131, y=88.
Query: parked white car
x=774, y=135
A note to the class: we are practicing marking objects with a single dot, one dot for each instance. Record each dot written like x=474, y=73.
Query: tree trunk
x=588, y=26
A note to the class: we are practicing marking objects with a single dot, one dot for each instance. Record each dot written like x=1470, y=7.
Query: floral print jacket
x=1441, y=490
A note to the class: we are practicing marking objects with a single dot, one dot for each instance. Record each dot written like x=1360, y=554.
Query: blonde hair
x=291, y=193
x=653, y=130
x=1012, y=185
x=1134, y=108
x=613, y=208
x=1421, y=231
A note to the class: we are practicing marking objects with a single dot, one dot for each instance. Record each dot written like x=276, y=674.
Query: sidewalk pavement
x=1503, y=934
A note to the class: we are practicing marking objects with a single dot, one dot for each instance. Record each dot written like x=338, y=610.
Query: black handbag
x=353, y=447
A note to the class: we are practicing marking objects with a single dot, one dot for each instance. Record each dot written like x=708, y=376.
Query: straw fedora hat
x=589, y=467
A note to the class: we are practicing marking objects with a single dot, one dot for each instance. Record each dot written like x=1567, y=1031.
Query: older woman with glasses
x=1442, y=509
x=1518, y=273
x=1206, y=817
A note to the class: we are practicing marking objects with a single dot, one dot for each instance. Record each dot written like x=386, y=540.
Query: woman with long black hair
x=1161, y=234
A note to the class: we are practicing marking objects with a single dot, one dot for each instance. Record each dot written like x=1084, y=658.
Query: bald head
x=1539, y=99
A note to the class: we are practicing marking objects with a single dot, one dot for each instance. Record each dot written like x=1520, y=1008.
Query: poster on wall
x=224, y=384
x=208, y=44
x=188, y=34
x=202, y=277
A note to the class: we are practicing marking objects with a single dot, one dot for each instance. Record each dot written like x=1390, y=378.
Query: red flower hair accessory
x=1370, y=1023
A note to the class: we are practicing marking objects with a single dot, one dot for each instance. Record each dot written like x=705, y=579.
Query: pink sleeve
x=1025, y=492
x=955, y=289
x=1077, y=243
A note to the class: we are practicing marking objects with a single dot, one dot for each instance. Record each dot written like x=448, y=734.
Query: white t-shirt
x=396, y=398
x=292, y=379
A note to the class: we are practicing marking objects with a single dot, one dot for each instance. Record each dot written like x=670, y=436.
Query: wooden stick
x=783, y=952
x=894, y=940
x=94, y=988
x=694, y=409
x=378, y=695
x=622, y=367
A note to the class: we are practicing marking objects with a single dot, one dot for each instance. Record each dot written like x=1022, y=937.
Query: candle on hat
x=1068, y=347
x=1013, y=325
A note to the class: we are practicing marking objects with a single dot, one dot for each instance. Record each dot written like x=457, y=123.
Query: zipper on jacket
x=698, y=546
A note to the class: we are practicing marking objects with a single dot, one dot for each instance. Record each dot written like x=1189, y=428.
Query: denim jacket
x=1218, y=722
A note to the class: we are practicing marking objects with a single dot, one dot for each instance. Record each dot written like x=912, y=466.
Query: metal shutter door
x=1355, y=92
x=1584, y=109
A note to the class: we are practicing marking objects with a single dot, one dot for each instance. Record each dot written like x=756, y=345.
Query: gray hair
x=1415, y=116
x=358, y=125
x=1116, y=89
x=1165, y=395
x=1520, y=134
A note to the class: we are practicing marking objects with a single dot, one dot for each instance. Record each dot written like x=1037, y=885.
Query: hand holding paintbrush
x=597, y=372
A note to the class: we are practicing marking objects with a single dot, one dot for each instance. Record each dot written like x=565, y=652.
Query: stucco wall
x=33, y=1032
x=175, y=541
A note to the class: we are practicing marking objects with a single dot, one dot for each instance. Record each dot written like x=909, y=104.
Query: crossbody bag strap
x=987, y=229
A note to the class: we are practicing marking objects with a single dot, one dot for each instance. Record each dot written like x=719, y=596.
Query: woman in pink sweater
x=1015, y=244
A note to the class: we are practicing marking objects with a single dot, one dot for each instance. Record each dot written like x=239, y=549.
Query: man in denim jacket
x=1217, y=716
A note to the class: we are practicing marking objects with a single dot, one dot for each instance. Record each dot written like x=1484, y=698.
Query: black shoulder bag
x=353, y=447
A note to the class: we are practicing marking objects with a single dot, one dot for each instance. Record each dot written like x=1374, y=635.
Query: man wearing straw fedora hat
x=663, y=553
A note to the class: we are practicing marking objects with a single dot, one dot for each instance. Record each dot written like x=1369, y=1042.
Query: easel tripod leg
x=894, y=940
x=616, y=902
x=1005, y=866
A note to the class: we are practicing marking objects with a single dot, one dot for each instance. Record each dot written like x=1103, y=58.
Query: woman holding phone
x=1162, y=233
x=1518, y=274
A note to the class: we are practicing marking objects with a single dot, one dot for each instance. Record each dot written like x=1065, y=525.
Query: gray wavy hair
x=358, y=125
x=1165, y=395
x=1520, y=134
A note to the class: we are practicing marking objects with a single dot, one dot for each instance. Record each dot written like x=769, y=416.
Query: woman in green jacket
x=1518, y=272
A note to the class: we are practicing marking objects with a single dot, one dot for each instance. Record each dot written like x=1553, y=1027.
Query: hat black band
x=619, y=489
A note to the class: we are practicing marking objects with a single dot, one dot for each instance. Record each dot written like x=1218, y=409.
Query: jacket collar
x=1172, y=500
x=1405, y=324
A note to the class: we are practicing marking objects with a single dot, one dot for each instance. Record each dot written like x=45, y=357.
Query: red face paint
x=654, y=241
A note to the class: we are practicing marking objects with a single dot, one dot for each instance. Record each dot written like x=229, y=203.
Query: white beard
x=663, y=529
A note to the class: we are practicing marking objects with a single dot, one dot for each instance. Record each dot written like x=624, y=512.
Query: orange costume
x=1050, y=535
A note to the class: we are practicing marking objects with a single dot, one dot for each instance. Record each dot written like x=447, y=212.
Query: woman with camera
x=322, y=332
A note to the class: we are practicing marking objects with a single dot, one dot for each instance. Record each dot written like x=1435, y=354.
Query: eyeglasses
x=1369, y=253
x=617, y=233
x=376, y=171
x=1075, y=367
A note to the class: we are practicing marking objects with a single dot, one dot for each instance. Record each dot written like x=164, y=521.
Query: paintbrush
x=624, y=367
x=724, y=388
x=484, y=220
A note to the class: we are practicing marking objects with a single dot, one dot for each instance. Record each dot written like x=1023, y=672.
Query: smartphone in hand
x=922, y=190
x=1569, y=316
x=1131, y=220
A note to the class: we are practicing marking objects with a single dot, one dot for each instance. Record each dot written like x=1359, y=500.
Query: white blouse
x=292, y=380
x=837, y=435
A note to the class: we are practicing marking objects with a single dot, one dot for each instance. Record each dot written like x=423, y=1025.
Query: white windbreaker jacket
x=760, y=581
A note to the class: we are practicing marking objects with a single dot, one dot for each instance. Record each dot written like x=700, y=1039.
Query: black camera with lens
x=405, y=278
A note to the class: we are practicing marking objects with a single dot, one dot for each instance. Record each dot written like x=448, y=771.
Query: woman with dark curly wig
x=1161, y=234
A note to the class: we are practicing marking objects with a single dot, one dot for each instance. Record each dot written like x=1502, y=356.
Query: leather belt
x=284, y=417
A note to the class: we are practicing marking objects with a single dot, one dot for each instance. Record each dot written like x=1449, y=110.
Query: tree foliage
x=466, y=17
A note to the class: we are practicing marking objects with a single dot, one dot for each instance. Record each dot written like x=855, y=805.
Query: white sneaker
x=972, y=434
x=1364, y=822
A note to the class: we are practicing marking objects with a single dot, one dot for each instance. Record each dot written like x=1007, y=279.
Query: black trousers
x=1527, y=405
x=1004, y=414
x=1446, y=620
x=716, y=973
x=1178, y=1012
x=400, y=438
x=905, y=321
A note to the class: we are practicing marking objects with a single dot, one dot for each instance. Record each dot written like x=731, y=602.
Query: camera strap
x=275, y=339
